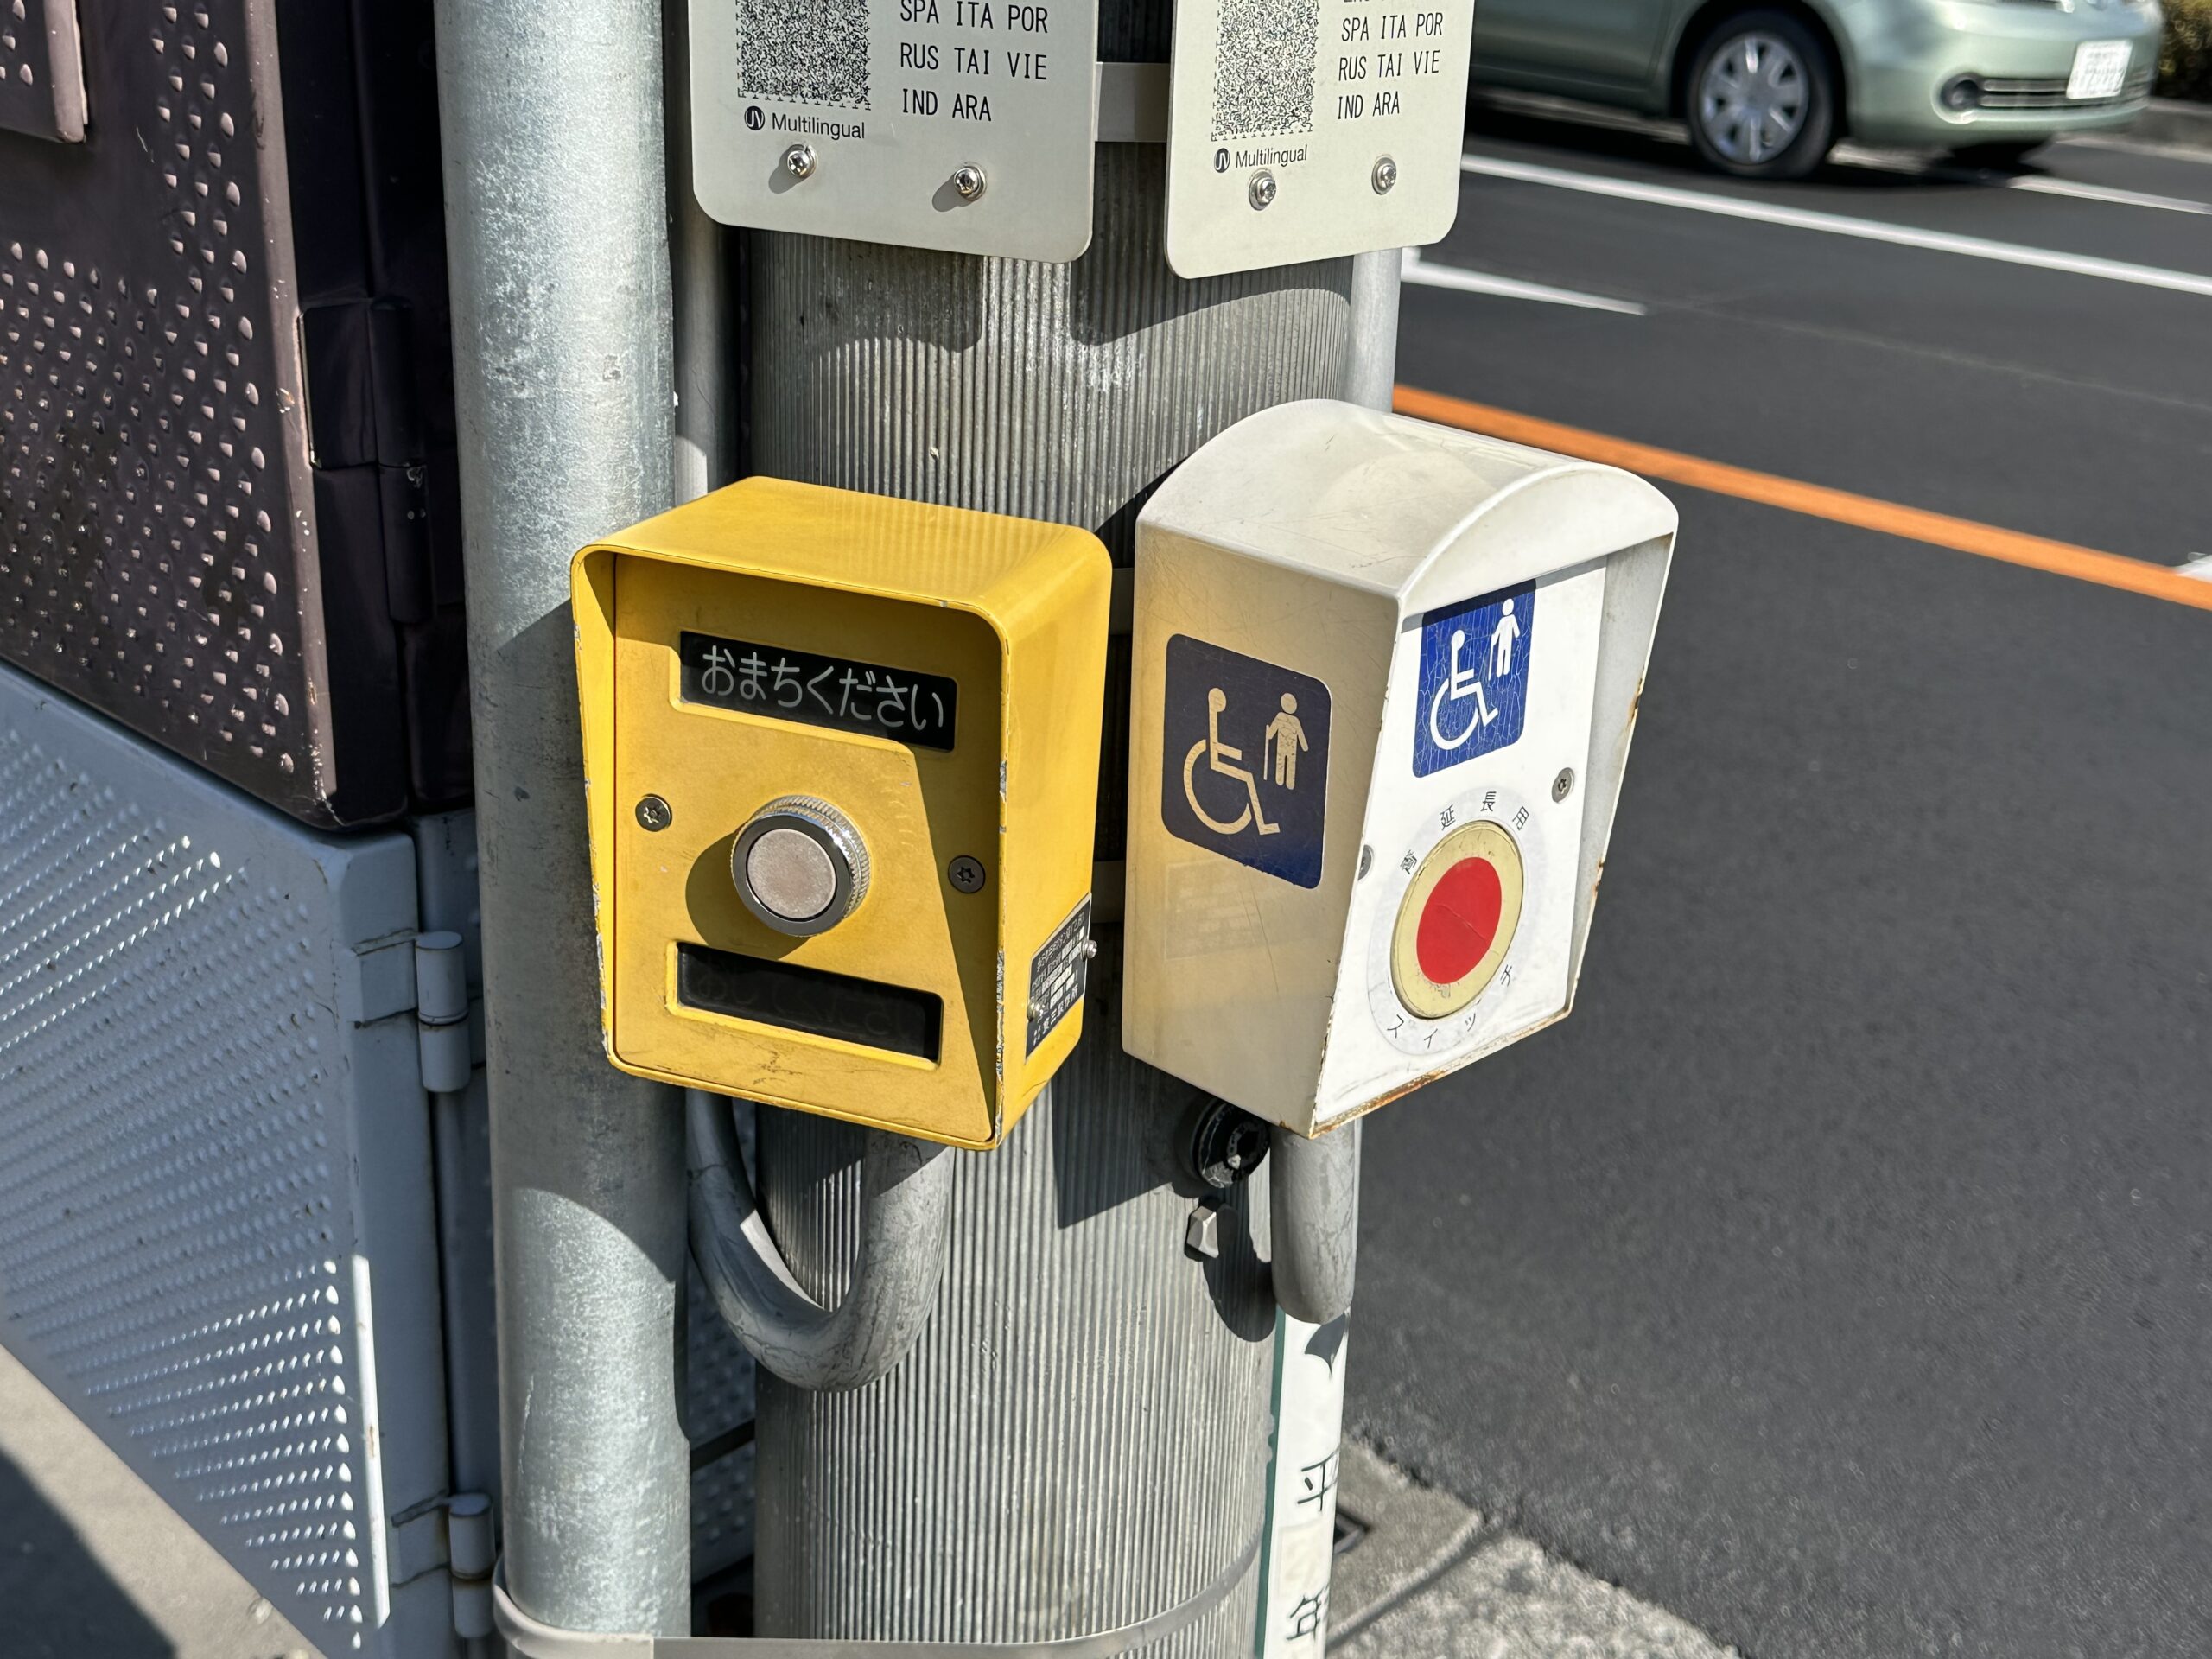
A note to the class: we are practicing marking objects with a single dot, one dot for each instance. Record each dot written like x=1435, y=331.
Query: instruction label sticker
x=1300, y=130
x=1245, y=762
x=1474, y=677
x=961, y=126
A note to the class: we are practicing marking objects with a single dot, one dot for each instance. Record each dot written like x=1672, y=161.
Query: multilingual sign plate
x=961, y=125
x=1309, y=129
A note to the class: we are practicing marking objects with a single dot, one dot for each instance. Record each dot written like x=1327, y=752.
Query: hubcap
x=1751, y=102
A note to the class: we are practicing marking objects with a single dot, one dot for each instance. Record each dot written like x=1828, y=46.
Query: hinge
x=417, y=1538
x=441, y=1012
x=474, y=1553
x=428, y=975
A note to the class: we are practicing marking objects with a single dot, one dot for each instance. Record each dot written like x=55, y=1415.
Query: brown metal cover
x=161, y=550
x=41, y=70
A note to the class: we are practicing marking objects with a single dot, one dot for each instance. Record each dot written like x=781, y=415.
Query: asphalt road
x=1840, y=1277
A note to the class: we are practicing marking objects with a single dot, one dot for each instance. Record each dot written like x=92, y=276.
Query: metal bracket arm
x=906, y=1206
x=1313, y=1191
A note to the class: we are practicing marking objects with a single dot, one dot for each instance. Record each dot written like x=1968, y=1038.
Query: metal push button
x=800, y=866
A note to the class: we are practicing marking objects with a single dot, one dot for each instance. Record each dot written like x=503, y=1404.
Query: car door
x=1590, y=46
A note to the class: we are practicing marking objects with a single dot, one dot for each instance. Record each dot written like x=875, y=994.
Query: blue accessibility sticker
x=1244, y=767
x=1474, y=677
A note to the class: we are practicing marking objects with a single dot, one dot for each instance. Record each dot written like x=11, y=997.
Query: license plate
x=2100, y=69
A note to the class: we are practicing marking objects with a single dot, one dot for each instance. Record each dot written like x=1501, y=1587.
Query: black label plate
x=783, y=683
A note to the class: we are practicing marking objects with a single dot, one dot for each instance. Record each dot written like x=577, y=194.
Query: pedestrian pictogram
x=1474, y=677
x=1246, y=759
x=1287, y=733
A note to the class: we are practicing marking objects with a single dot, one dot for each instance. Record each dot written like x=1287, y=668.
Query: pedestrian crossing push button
x=1365, y=653
x=840, y=767
x=1457, y=921
x=800, y=866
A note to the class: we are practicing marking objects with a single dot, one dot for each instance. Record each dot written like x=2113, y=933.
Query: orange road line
x=1816, y=501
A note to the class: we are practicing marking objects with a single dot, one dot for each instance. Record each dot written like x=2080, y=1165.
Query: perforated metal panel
x=159, y=534
x=175, y=550
x=41, y=70
x=215, y=1188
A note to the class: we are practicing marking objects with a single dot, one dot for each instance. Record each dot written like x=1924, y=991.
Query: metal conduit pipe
x=1314, y=1192
x=905, y=1231
x=1372, y=374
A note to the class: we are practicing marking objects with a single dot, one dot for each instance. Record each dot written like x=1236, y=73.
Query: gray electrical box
x=218, y=1232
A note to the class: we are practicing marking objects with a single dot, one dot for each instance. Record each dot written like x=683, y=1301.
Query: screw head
x=1366, y=859
x=1262, y=190
x=654, y=814
x=1385, y=176
x=1563, y=786
x=966, y=874
x=799, y=161
x=968, y=182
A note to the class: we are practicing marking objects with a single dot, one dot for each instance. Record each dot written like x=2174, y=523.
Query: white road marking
x=2033, y=183
x=1879, y=161
x=1414, y=268
x=2139, y=147
x=2038, y=185
x=2199, y=567
x=1865, y=229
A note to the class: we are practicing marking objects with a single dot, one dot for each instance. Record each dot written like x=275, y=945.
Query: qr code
x=804, y=50
x=1263, y=68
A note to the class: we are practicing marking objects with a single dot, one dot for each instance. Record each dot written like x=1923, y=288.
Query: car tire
x=1761, y=98
x=1998, y=157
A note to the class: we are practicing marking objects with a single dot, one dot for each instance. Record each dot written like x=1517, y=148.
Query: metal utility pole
x=1078, y=1442
x=553, y=124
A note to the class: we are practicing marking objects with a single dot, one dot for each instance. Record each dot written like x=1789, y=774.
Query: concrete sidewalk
x=1430, y=1579
x=94, y=1566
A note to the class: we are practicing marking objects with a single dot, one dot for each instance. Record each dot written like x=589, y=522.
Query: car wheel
x=1997, y=156
x=1762, y=97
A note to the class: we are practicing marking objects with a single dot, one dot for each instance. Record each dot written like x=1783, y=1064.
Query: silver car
x=1767, y=89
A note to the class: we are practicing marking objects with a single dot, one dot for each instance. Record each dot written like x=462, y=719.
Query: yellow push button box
x=841, y=754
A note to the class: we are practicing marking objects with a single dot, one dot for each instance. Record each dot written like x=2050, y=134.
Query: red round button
x=1458, y=925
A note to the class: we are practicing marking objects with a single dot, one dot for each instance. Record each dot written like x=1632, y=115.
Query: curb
x=2174, y=121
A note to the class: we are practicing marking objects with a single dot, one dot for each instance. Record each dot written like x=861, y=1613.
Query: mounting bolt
x=1225, y=1143
x=653, y=814
x=1563, y=786
x=966, y=874
x=799, y=161
x=969, y=182
x=1366, y=859
x=1385, y=176
x=1262, y=190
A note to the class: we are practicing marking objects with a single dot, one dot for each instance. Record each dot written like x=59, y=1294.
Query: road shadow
x=1600, y=133
x=56, y=1600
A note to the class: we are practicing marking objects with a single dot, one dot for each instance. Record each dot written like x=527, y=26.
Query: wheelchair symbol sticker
x=1245, y=765
x=1474, y=678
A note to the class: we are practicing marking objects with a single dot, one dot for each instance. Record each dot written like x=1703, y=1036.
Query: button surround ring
x=829, y=830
